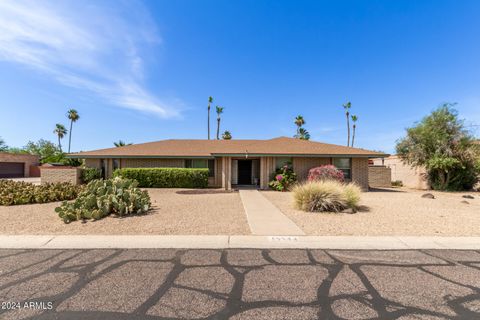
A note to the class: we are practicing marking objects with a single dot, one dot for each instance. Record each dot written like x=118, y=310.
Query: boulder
x=467, y=196
x=428, y=196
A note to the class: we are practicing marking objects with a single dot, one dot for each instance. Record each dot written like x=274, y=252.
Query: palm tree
x=121, y=143
x=303, y=134
x=354, y=120
x=210, y=100
x=227, y=135
x=60, y=131
x=73, y=115
x=299, y=121
x=219, y=112
x=347, y=107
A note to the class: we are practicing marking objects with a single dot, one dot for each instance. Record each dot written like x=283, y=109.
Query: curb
x=234, y=242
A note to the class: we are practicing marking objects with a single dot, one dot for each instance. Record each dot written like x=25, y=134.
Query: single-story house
x=235, y=162
x=15, y=165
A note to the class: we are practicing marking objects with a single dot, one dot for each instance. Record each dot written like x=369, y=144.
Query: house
x=14, y=165
x=235, y=162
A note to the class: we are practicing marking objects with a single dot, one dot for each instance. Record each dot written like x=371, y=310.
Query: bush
x=166, y=177
x=90, y=174
x=328, y=195
x=326, y=172
x=397, y=183
x=283, y=178
x=101, y=198
x=16, y=192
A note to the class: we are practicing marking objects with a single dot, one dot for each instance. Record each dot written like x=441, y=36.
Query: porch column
x=227, y=173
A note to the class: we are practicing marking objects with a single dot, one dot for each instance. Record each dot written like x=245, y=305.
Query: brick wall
x=360, y=172
x=379, y=176
x=60, y=174
x=301, y=165
x=27, y=159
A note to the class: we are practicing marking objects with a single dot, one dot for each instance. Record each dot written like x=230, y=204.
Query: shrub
x=89, y=174
x=16, y=192
x=283, y=178
x=397, y=183
x=326, y=172
x=328, y=195
x=101, y=198
x=166, y=177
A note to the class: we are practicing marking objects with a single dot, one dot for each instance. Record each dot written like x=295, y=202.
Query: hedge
x=166, y=177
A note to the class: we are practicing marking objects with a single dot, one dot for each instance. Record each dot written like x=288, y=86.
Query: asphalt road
x=239, y=284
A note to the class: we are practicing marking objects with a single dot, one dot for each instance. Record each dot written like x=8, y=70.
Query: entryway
x=244, y=172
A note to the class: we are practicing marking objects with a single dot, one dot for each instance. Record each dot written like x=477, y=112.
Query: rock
x=349, y=211
x=428, y=196
x=464, y=201
x=467, y=196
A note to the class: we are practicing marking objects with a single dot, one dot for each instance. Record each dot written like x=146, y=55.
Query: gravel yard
x=391, y=212
x=174, y=211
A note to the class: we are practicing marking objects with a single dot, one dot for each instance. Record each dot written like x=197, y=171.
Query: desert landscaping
x=387, y=212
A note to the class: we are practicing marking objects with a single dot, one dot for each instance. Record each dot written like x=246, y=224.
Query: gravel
x=174, y=212
x=389, y=212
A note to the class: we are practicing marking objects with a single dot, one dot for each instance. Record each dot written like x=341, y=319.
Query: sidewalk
x=264, y=218
x=226, y=242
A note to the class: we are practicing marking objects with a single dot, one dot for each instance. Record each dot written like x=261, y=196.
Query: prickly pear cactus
x=101, y=198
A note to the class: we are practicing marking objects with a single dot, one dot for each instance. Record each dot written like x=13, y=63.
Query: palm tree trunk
x=348, y=129
x=208, y=121
x=218, y=128
x=353, y=136
x=70, y=136
x=59, y=144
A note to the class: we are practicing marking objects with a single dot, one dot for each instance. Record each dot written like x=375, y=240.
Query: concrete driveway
x=239, y=284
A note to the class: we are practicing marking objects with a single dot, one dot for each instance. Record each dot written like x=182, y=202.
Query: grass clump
x=326, y=196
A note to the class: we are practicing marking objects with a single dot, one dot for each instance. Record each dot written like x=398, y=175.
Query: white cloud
x=86, y=45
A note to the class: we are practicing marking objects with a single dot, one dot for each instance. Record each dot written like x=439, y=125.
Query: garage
x=12, y=169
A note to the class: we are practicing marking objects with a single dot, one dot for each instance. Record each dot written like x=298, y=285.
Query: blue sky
x=143, y=71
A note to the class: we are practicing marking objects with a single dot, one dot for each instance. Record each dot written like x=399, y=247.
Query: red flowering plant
x=283, y=178
x=326, y=172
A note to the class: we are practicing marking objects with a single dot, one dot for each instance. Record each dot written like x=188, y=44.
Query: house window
x=116, y=164
x=344, y=165
x=202, y=163
x=280, y=162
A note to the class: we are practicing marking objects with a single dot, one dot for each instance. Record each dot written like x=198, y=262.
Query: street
x=239, y=284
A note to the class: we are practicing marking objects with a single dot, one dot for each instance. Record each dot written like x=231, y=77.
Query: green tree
x=60, y=131
x=121, y=143
x=219, y=112
x=354, y=120
x=442, y=145
x=46, y=150
x=3, y=145
x=73, y=116
x=227, y=135
x=210, y=100
x=346, y=107
x=299, y=122
x=303, y=134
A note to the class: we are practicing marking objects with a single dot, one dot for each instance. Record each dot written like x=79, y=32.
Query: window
x=202, y=163
x=280, y=162
x=116, y=164
x=344, y=165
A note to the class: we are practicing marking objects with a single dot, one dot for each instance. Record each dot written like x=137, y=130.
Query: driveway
x=239, y=284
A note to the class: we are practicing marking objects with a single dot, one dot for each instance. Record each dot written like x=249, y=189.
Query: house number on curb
x=283, y=238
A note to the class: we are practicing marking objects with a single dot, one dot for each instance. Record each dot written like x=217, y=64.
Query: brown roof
x=208, y=148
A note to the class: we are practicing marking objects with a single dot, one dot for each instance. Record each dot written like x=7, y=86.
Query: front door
x=244, y=171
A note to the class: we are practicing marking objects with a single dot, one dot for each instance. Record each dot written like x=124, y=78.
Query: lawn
x=174, y=212
x=391, y=212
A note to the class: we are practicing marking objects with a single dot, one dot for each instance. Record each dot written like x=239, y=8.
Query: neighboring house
x=410, y=177
x=13, y=165
x=235, y=162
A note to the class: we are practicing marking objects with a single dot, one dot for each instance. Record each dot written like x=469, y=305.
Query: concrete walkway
x=264, y=218
x=233, y=242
